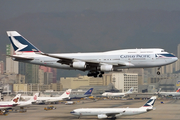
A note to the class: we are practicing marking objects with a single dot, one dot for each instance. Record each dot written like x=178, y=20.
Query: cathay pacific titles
x=135, y=56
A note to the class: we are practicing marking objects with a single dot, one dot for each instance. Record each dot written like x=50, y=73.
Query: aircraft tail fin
x=34, y=97
x=66, y=94
x=178, y=90
x=130, y=90
x=89, y=92
x=159, y=90
x=20, y=44
x=150, y=102
x=16, y=98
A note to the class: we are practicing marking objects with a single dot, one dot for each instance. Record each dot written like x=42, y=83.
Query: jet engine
x=79, y=65
x=101, y=116
x=106, y=68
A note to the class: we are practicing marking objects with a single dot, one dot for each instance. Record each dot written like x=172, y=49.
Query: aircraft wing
x=14, y=105
x=68, y=61
x=20, y=58
x=115, y=113
x=110, y=114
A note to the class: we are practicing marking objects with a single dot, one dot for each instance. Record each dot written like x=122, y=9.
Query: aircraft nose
x=175, y=59
x=73, y=112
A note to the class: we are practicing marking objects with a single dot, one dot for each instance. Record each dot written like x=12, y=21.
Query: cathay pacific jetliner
x=96, y=63
x=114, y=112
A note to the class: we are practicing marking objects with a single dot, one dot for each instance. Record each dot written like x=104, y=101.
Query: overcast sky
x=13, y=8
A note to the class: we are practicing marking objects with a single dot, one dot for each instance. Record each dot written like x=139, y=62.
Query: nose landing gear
x=158, y=73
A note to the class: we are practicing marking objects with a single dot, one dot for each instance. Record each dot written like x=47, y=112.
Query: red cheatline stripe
x=6, y=105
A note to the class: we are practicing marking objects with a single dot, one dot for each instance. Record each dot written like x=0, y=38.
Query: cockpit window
x=72, y=112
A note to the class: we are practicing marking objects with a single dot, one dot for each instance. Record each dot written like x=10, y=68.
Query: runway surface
x=167, y=111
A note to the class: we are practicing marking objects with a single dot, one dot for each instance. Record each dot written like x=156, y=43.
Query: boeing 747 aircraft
x=65, y=95
x=5, y=105
x=22, y=104
x=114, y=112
x=174, y=94
x=87, y=94
x=110, y=94
x=96, y=63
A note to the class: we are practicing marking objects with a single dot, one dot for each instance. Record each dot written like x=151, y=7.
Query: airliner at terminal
x=110, y=94
x=95, y=63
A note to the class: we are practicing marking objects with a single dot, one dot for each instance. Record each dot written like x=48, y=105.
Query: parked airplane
x=5, y=105
x=174, y=94
x=110, y=94
x=96, y=63
x=87, y=94
x=114, y=112
x=65, y=95
x=22, y=104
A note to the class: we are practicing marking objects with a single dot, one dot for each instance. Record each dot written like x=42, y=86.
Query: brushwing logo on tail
x=17, y=44
x=150, y=102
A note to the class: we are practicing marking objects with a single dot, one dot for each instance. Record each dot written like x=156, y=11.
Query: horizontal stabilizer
x=20, y=58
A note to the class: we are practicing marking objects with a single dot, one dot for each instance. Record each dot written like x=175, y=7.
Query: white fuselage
x=49, y=99
x=5, y=105
x=110, y=94
x=169, y=93
x=120, y=59
x=24, y=103
x=99, y=111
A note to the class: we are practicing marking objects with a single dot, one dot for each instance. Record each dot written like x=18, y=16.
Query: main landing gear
x=95, y=74
x=158, y=73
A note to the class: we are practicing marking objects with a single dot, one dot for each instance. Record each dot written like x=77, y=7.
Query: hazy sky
x=13, y=8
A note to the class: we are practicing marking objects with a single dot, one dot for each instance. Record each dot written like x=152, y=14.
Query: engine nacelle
x=106, y=68
x=101, y=116
x=79, y=65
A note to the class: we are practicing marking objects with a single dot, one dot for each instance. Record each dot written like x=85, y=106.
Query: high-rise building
x=169, y=68
x=11, y=66
x=48, y=78
x=53, y=71
x=178, y=51
x=124, y=81
x=1, y=67
x=41, y=77
x=32, y=73
x=177, y=65
x=22, y=68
